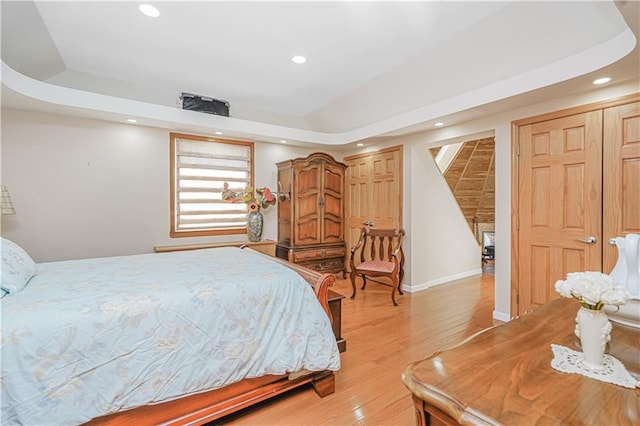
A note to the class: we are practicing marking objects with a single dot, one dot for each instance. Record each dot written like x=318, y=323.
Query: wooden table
x=503, y=375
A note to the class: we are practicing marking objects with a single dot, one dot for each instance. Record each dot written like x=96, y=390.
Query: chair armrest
x=358, y=244
x=398, y=246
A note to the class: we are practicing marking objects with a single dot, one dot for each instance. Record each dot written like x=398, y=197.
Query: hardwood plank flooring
x=381, y=341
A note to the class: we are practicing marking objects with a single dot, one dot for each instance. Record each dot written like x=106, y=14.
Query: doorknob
x=588, y=240
x=612, y=241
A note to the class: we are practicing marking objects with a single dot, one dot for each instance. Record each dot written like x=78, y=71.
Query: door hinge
x=517, y=150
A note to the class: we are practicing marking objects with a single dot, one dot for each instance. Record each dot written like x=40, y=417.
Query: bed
x=177, y=338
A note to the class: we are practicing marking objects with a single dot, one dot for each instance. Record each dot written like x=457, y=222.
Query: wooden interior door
x=386, y=199
x=621, y=211
x=559, y=204
x=373, y=191
x=357, y=195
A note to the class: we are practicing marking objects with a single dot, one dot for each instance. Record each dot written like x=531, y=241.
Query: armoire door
x=559, y=204
x=319, y=203
x=332, y=204
x=373, y=191
x=308, y=190
x=621, y=212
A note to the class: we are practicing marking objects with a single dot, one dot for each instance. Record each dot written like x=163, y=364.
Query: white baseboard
x=501, y=316
x=444, y=280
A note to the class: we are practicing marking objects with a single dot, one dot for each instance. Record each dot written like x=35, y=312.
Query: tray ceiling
x=373, y=68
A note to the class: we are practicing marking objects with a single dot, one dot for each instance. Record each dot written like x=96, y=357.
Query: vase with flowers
x=627, y=272
x=593, y=290
x=256, y=200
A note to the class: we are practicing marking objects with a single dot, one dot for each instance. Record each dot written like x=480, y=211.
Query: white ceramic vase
x=627, y=272
x=594, y=330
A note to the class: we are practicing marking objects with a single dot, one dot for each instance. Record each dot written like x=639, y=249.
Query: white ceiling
x=373, y=68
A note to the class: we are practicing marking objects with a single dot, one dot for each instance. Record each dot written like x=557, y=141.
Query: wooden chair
x=380, y=255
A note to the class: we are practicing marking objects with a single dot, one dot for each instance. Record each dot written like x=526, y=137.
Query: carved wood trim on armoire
x=311, y=216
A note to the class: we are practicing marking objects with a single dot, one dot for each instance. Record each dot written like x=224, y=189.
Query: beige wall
x=500, y=126
x=443, y=247
x=88, y=188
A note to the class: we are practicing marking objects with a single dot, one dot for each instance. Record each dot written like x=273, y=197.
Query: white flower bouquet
x=593, y=290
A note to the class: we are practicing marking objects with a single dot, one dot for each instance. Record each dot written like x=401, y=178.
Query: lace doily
x=570, y=361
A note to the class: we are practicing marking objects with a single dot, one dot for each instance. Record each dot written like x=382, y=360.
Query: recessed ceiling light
x=131, y=120
x=602, y=80
x=359, y=144
x=218, y=133
x=149, y=10
x=299, y=59
x=439, y=123
x=283, y=141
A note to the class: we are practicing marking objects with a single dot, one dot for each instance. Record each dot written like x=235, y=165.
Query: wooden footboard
x=205, y=407
x=208, y=406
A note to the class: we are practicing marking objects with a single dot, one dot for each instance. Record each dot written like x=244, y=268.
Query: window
x=199, y=168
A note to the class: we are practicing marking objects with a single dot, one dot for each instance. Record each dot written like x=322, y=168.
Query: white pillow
x=17, y=267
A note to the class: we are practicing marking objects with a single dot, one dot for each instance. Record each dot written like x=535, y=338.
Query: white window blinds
x=201, y=166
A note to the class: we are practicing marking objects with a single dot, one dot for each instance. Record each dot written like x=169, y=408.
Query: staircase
x=471, y=178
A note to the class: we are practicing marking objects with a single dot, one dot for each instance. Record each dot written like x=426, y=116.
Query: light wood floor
x=381, y=341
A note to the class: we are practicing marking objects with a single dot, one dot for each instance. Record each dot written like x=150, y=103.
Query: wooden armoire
x=311, y=212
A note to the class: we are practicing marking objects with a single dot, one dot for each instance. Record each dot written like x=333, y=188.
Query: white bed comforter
x=90, y=337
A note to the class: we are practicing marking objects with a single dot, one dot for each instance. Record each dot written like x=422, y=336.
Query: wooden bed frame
x=211, y=405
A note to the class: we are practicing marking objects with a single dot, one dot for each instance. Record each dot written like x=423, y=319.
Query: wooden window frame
x=174, y=232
